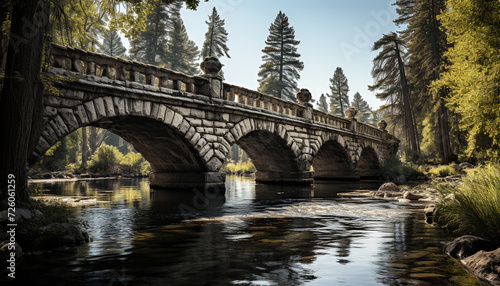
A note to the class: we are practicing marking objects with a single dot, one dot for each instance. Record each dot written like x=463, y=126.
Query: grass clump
x=443, y=171
x=476, y=207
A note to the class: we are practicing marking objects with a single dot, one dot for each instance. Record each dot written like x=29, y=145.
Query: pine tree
x=148, y=46
x=322, y=104
x=112, y=44
x=280, y=71
x=389, y=72
x=215, y=38
x=473, y=73
x=181, y=51
x=339, y=100
x=426, y=44
x=364, y=110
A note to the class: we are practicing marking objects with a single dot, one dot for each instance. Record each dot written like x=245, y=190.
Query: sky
x=332, y=33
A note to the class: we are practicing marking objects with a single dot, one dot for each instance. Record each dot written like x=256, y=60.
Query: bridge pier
x=304, y=177
x=187, y=180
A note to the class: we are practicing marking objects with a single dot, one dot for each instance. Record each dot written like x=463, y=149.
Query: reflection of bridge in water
x=185, y=125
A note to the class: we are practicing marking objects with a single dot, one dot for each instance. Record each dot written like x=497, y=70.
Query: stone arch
x=152, y=128
x=271, y=148
x=368, y=165
x=332, y=160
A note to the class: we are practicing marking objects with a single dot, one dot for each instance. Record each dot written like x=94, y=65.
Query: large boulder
x=388, y=187
x=484, y=265
x=468, y=245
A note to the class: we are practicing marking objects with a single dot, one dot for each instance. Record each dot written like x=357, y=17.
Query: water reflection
x=247, y=234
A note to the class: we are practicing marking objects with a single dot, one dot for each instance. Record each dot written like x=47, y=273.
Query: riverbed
x=245, y=234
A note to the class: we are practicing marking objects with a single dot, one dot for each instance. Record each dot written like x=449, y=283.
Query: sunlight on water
x=251, y=234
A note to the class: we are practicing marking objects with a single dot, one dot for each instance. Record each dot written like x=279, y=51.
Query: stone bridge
x=185, y=125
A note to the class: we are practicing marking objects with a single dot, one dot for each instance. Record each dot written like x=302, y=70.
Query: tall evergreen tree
x=148, y=46
x=181, y=51
x=280, y=71
x=364, y=110
x=473, y=73
x=322, y=104
x=389, y=72
x=215, y=38
x=426, y=43
x=339, y=99
x=112, y=44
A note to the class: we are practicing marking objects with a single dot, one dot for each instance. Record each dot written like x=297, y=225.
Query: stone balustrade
x=122, y=72
x=127, y=73
x=256, y=99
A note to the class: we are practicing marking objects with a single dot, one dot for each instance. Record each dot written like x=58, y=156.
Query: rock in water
x=388, y=187
x=485, y=265
x=468, y=245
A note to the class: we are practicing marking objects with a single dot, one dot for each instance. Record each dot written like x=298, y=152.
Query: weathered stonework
x=185, y=130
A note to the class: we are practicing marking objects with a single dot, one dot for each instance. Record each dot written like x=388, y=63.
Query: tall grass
x=476, y=207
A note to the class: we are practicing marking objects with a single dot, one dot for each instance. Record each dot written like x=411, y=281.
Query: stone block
x=184, y=127
x=210, y=137
x=169, y=116
x=110, y=107
x=200, y=144
x=60, y=125
x=81, y=115
x=161, y=112
x=154, y=110
x=69, y=118
x=146, y=108
x=100, y=109
x=195, y=121
x=214, y=164
x=205, y=150
x=196, y=137
x=137, y=106
x=176, y=122
x=50, y=111
x=121, y=106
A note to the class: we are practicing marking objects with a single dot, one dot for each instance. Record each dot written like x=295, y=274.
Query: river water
x=251, y=234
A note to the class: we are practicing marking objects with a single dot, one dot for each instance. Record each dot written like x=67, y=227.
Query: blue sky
x=333, y=33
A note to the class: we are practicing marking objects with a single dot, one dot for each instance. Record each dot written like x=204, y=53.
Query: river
x=251, y=234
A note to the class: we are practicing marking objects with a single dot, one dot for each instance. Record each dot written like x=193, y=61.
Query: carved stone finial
x=382, y=125
x=303, y=95
x=350, y=112
x=211, y=65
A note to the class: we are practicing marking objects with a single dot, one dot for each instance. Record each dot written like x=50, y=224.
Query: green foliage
x=281, y=65
x=444, y=170
x=181, y=51
x=105, y=158
x=215, y=38
x=134, y=163
x=364, y=110
x=322, y=104
x=112, y=44
x=239, y=168
x=339, y=100
x=473, y=73
x=476, y=207
x=398, y=168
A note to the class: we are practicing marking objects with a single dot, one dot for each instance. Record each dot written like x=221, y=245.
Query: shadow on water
x=247, y=234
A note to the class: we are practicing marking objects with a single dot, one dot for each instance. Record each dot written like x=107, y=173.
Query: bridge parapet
x=132, y=74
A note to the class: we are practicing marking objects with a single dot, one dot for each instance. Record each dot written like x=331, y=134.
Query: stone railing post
x=304, y=96
x=211, y=67
x=350, y=113
x=382, y=125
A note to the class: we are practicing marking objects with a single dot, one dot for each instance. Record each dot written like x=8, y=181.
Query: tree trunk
x=444, y=129
x=85, y=144
x=21, y=105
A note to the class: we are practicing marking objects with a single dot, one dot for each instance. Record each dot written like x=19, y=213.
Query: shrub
x=104, y=158
x=443, y=171
x=397, y=168
x=476, y=207
x=241, y=167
